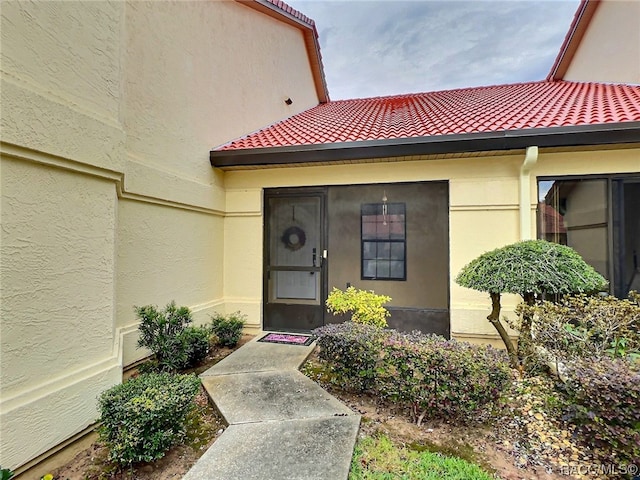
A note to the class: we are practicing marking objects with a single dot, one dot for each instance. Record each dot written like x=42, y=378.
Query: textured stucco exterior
x=610, y=48
x=109, y=110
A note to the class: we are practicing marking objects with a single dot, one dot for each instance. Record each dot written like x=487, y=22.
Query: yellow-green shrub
x=365, y=306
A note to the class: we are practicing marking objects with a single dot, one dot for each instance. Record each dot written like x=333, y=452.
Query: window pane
x=396, y=231
x=369, y=268
x=397, y=251
x=384, y=250
x=382, y=270
x=369, y=250
x=574, y=213
x=382, y=230
x=397, y=270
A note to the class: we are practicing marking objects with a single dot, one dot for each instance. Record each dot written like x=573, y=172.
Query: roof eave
x=569, y=136
x=311, y=41
x=572, y=40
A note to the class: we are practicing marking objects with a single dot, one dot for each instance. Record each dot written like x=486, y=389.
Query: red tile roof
x=292, y=11
x=470, y=110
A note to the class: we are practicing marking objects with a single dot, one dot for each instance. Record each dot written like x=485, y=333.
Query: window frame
x=403, y=241
x=612, y=217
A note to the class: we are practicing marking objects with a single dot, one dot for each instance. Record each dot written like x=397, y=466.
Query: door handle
x=314, y=258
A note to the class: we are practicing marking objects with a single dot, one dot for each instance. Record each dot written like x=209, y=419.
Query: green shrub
x=351, y=350
x=588, y=326
x=228, y=328
x=366, y=307
x=5, y=473
x=441, y=378
x=196, y=342
x=433, y=376
x=605, y=394
x=160, y=332
x=142, y=418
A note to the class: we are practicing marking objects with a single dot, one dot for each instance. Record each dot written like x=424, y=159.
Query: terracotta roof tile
x=292, y=11
x=468, y=110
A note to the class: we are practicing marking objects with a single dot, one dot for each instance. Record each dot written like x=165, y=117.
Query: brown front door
x=295, y=253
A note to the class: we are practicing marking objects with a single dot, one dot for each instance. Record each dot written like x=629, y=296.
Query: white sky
x=387, y=47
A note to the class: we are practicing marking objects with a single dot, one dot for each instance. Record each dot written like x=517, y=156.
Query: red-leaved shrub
x=605, y=393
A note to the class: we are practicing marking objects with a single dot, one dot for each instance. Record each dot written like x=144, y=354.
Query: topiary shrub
x=228, y=328
x=441, y=378
x=142, y=418
x=366, y=307
x=351, y=350
x=530, y=269
x=605, y=394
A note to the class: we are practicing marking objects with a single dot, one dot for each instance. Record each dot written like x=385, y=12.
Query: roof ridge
x=478, y=88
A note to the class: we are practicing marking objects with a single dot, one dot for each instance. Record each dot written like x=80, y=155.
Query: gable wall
x=610, y=48
x=109, y=110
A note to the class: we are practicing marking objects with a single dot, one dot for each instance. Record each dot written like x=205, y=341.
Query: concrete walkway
x=282, y=425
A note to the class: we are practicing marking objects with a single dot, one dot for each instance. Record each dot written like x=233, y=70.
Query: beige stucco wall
x=484, y=212
x=57, y=304
x=223, y=70
x=109, y=110
x=610, y=48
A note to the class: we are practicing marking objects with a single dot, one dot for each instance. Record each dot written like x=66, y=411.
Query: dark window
x=384, y=246
x=598, y=217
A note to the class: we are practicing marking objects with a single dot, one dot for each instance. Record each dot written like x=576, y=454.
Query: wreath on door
x=294, y=238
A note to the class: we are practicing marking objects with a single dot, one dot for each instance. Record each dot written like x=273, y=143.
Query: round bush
x=228, y=328
x=142, y=418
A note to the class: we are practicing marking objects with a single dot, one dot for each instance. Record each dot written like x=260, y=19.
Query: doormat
x=287, y=338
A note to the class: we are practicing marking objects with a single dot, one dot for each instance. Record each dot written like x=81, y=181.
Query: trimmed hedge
x=142, y=418
x=605, y=393
x=351, y=350
x=441, y=378
x=434, y=376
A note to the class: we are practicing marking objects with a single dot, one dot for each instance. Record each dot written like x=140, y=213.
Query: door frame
x=293, y=192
